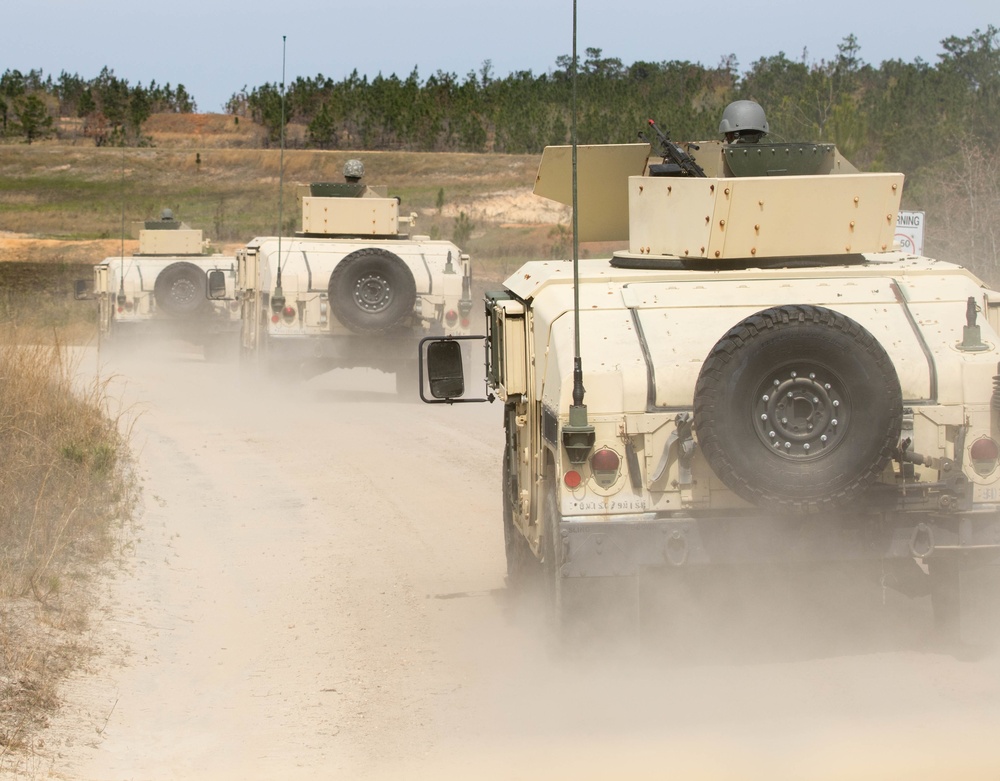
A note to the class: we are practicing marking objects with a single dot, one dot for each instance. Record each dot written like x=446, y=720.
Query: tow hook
x=922, y=541
x=676, y=549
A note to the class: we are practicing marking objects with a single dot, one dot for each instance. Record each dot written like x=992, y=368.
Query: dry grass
x=67, y=495
x=75, y=194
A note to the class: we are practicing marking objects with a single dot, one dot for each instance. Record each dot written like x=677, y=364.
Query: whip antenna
x=578, y=435
x=278, y=299
x=121, y=259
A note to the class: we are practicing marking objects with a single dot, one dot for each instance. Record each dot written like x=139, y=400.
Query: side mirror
x=444, y=362
x=445, y=373
x=83, y=290
x=217, y=285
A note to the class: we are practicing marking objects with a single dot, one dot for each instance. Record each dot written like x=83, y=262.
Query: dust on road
x=316, y=590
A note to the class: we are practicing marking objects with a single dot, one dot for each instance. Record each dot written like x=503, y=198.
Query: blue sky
x=216, y=47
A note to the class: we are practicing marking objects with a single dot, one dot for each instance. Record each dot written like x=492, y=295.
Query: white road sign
x=910, y=232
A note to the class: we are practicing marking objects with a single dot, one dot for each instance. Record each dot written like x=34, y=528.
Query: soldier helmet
x=743, y=117
x=354, y=169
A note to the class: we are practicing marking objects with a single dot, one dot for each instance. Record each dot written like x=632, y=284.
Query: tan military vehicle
x=161, y=291
x=759, y=376
x=351, y=289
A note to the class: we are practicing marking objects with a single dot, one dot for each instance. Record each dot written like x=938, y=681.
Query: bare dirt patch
x=511, y=208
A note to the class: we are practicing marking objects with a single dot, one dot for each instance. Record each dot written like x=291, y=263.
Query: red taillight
x=605, y=460
x=274, y=318
x=572, y=478
x=984, y=454
x=451, y=317
x=129, y=305
x=465, y=322
x=984, y=449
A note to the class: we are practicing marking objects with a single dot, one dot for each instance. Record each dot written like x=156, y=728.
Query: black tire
x=372, y=291
x=181, y=289
x=798, y=408
x=552, y=561
x=522, y=566
x=946, y=596
x=407, y=380
x=222, y=348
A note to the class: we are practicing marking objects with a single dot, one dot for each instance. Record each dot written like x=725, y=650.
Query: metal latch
x=681, y=436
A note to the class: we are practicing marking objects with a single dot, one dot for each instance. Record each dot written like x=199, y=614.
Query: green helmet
x=354, y=169
x=744, y=118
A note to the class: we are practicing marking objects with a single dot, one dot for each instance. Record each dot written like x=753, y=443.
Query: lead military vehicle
x=160, y=291
x=351, y=289
x=760, y=376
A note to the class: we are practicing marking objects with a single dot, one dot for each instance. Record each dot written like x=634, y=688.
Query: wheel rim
x=183, y=292
x=801, y=413
x=372, y=293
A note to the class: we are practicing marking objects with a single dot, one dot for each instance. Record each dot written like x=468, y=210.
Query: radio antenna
x=278, y=299
x=121, y=259
x=578, y=434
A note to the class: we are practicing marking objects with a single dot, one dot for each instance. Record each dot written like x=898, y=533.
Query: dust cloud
x=316, y=589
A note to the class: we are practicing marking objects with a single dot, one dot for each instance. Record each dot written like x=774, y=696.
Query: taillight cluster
x=984, y=455
x=605, y=465
x=287, y=314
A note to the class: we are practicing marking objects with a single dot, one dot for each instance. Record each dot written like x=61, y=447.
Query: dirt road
x=316, y=590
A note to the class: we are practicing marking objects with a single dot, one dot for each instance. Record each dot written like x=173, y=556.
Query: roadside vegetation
x=67, y=498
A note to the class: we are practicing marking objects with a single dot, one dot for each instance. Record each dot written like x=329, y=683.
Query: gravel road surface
x=315, y=589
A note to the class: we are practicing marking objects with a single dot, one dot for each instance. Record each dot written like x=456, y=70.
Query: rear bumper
x=377, y=352
x=194, y=330
x=631, y=544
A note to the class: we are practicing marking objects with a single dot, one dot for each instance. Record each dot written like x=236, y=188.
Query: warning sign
x=910, y=232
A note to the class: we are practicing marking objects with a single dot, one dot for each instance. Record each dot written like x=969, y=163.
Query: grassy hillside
x=65, y=203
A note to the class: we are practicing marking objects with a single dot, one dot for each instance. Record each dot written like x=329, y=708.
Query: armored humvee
x=765, y=377
x=351, y=289
x=160, y=291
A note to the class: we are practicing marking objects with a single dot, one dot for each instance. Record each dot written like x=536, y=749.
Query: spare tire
x=181, y=289
x=798, y=408
x=372, y=291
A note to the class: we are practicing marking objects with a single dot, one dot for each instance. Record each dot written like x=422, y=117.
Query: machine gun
x=676, y=162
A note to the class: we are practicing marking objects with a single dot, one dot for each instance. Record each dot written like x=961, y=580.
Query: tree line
x=939, y=123
x=109, y=109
